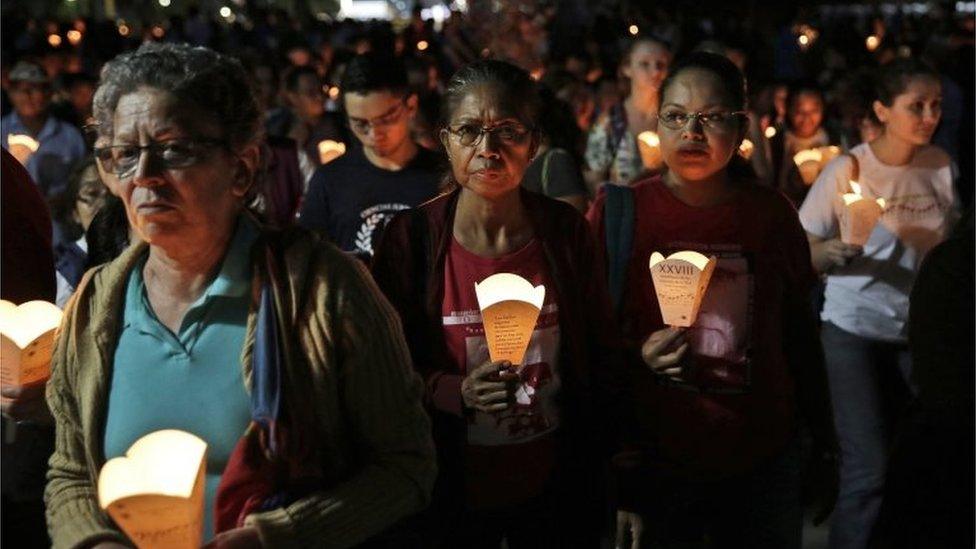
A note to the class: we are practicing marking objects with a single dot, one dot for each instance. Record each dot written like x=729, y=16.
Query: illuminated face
x=806, y=114
x=488, y=145
x=648, y=66
x=693, y=148
x=177, y=195
x=380, y=120
x=914, y=114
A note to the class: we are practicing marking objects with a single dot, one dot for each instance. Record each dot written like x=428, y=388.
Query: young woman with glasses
x=717, y=404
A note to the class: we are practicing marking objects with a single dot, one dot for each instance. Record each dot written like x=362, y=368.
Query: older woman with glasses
x=719, y=403
x=519, y=445
x=273, y=348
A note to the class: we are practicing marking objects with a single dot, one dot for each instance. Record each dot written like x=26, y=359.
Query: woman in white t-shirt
x=865, y=311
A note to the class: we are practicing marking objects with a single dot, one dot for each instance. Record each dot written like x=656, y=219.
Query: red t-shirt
x=737, y=404
x=509, y=455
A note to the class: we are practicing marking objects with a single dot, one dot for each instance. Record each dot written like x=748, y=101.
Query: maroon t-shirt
x=509, y=455
x=736, y=405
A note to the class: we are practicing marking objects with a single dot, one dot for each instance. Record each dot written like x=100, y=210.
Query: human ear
x=248, y=162
x=880, y=111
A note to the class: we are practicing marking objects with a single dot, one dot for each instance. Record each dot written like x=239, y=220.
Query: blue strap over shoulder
x=618, y=220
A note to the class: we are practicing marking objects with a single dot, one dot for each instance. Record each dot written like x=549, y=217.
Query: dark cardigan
x=409, y=268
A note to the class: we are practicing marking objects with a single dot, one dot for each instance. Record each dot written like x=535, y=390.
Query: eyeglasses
x=470, y=134
x=718, y=120
x=362, y=125
x=122, y=160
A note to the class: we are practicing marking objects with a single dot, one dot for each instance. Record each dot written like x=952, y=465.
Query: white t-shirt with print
x=869, y=296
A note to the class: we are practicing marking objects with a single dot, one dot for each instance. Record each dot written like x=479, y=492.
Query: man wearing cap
x=46, y=146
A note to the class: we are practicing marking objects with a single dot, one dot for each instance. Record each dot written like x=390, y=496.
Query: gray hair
x=215, y=83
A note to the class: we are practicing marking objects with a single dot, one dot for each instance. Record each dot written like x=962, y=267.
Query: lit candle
x=859, y=215
x=872, y=42
x=746, y=148
x=770, y=132
x=650, y=149
x=22, y=147
x=329, y=150
x=808, y=162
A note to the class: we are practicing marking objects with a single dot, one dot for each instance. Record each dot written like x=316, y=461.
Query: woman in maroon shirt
x=520, y=447
x=717, y=403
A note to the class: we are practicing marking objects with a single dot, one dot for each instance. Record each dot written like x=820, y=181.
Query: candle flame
x=770, y=132
x=856, y=188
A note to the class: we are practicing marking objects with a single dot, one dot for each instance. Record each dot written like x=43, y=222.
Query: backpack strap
x=618, y=220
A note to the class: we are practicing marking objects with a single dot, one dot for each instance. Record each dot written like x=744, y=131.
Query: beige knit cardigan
x=374, y=445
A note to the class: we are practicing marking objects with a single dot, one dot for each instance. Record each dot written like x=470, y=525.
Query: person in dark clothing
x=930, y=470
x=353, y=197
x=520, y=446
x=27, y=265
x=720, y=402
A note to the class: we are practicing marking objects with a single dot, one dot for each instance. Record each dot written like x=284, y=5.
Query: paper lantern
x=329, y=150
x=155, y=493
x=650, y=149
x=680, y=282
x=858, y=216
x=509, y=307
x=808, y=162
x=27, y=338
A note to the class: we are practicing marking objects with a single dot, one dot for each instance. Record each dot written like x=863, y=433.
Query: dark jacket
x=409, y=269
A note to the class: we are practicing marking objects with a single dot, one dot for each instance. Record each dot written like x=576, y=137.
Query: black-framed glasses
x=470, y=135
x=716, y=120
x=363, y=125
x=122, y=160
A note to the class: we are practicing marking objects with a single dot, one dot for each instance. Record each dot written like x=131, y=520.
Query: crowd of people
x=267, y=231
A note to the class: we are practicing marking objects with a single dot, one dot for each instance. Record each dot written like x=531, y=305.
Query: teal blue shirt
x=191, y=380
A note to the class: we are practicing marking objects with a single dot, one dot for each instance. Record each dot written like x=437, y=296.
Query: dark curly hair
x=215, y=83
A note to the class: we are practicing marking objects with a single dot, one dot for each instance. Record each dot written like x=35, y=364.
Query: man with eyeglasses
x=353, y=197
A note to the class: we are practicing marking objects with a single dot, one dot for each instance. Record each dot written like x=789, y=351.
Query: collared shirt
x=191, y=380
x=60, y=146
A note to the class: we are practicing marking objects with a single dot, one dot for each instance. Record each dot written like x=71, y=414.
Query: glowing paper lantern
x=809, y=163
x=509, y=307
x=858, y=216
x=27, y=341
x=22, y=147
x=155, y=492
x=329, y=150
x=680, y=282
x=650, y=149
